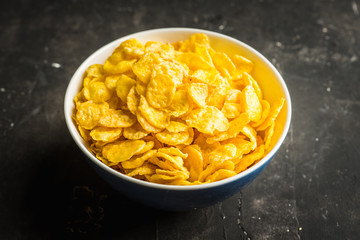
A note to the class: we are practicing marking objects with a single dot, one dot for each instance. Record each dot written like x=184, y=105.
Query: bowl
x=179, y=198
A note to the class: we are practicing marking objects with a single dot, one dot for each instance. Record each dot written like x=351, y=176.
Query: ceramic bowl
x=196, y=196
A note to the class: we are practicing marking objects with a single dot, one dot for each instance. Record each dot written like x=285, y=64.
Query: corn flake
x=178, y=114
x=251, y=103
x=146, y=169
x=89, y=114
x=176, y=126
x=117, y=119
x=146, y=125
x=208, y=120
x=123, y=150
x=173, y=138
x=220, y=175
x=135, y=132
x=155, y=117
x=160, y=90
x=105, y=134
x=274, y=111
x=97, y=91
x=138, y=161
x=133, y=100
x=249, y=159
x=144, y=66
x=193, y=162
x=123, y=86
x=198, y=92
x=179, y=105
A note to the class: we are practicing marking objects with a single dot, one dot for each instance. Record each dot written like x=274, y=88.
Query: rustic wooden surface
x=310, y=190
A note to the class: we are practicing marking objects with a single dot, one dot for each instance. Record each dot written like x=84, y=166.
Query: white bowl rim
x=68, y=103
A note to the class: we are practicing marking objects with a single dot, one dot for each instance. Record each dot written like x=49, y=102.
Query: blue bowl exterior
x=177, y=200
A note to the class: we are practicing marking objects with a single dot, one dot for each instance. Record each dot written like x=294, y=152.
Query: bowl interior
x=270, y=81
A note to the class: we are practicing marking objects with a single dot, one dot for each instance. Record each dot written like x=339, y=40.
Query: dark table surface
x=310, y=190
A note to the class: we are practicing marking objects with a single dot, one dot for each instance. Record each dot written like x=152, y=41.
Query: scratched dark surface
x=311, y=189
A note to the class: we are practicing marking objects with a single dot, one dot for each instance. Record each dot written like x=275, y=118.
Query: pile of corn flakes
x=178, y=113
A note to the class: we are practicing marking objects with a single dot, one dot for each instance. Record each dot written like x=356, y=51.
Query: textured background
x=311, y=189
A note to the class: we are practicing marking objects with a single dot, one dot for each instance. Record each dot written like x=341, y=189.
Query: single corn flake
x=123, y=86
x=171, y=138
x=138, y=161
x=133, y=100
x=105, y=134
x=146, y=125
x=194, y=161
x=97, y=91
x=160, y=91
x=117, y=119
x=131, y=48
x=247, y=160
x=94, y=71
x=211, y=168
x=119, y=67
x=180, y=104
x=176, y=126
x=220, y=175
x=195, y=40
x=89, y=114
x=269, y=132
x=148, y=146
x=265, y=112
x=220, y=154
x=135, y=132
x=208, y=120
x=251, y=103
x=274, y=111
x=242, y=64
x=144, y=67
x=121, y=151
x=146, y=169
x=155, y=117
x=111, y=80
x=193, y=61
x=173, y=151
x=198, y=92
x=222, y=62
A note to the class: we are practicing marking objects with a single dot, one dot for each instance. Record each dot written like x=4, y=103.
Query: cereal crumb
x=353, y=58
x=56, y=65
x=355, y=8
